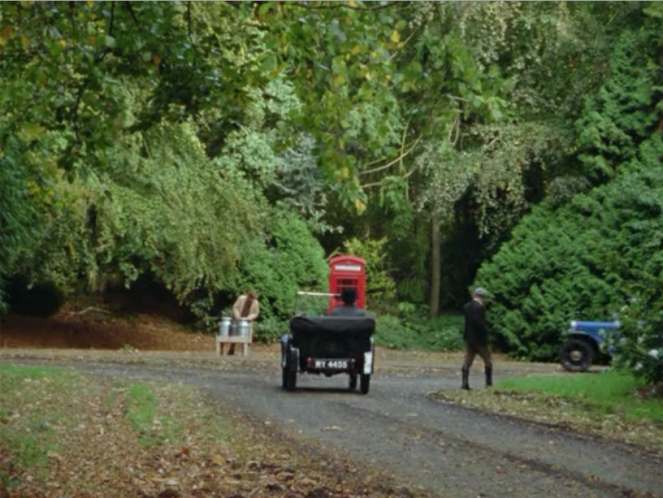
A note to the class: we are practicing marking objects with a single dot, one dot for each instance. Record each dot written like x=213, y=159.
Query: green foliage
x=162, y=139
x=288, y=260
x=30, y=436
x=620, y=116
x=142, y=411
x=23, y=200
x=443, y=333
x=639, y=346
x=380, y=287
x=169, y=213
x=299, y=184
x=586, y=255
x=579, y=261
x=610, y=392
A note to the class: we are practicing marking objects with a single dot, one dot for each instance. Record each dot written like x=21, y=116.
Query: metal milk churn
x=243, y=328
x=224, y=326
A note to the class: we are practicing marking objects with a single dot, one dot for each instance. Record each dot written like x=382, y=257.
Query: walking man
x=476, y=336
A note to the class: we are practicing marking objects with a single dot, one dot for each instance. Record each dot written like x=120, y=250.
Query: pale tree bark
x=436, y=266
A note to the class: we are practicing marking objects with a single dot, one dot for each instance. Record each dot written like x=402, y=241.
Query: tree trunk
x=436, y=266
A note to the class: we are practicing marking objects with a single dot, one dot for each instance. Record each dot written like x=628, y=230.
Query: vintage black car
x=329, y=345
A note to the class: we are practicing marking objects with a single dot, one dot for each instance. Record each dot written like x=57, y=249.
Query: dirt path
x=444, y=448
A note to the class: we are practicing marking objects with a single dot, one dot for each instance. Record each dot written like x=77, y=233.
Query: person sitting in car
x=348, y=308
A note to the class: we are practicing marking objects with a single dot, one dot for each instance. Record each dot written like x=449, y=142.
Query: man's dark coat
x=476, y=330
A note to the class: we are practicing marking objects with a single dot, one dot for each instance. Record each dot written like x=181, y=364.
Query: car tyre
x=352, y=385
x=291, y=380
x=364, y=383
x=577, y=355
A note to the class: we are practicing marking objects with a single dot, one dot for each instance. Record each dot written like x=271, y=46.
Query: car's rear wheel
x=289, y=373
x=577, y=355
x=352, y=385
x=364, y=383
x=290, y=379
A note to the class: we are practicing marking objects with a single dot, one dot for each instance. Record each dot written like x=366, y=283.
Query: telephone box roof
x=346, y=258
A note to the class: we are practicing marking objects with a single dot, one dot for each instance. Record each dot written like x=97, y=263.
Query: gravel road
x=446, y=449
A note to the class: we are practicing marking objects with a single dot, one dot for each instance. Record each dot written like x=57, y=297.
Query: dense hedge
x=593, y=255
x=583, y=260
x=288, y=260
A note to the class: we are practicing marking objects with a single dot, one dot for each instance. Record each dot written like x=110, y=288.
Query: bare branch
x=112, y=18
x=188, y=19
x=404, y=44
x=131, y=12
x=88, y=310
x=405, y=130
x=393, y=161
x=342, y=5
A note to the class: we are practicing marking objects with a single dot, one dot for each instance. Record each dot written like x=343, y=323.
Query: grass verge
x=609, y=393
x=605, y=404
x=63, y=433
x=30, y=415
x=142, y=413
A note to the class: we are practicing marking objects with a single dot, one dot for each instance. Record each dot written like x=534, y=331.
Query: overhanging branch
x=393, y=161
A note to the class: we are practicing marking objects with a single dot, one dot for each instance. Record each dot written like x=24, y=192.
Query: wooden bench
x=222, y=340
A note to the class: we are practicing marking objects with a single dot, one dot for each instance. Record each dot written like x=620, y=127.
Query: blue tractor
x=585, y=341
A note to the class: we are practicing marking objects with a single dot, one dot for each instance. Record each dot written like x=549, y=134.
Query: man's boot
x=489, y=376
x=466, y=379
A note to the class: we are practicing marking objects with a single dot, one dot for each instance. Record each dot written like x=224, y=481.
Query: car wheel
x=353, y=382
x=290, y=380
x=364, y=383
x=284, y=378
x=577, y=355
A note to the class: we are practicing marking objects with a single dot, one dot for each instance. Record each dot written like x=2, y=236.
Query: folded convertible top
x=332, y=325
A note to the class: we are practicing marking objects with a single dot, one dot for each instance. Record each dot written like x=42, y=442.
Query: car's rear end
x=330, y=345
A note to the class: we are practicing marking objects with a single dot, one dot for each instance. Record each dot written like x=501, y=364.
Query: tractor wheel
x=364, y=383
x=577, y=355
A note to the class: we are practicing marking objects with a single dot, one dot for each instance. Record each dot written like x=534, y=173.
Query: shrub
x=381, y=288
x=639, y=346
x=290, y=259
x=443, y=333
x=579, y=261
x=584, y=258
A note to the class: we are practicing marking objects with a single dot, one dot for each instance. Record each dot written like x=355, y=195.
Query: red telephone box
x=346, y=271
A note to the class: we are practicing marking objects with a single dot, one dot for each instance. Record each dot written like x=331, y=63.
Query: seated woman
x=348, y=308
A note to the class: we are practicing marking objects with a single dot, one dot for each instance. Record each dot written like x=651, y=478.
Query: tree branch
x=131, y=12
x=393, y=161
x=407, y=127
x=188, y=20
x=72, y=8
x=339, y=5
x=112, y=18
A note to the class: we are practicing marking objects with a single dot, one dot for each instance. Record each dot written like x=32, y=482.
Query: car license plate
x=331, y=364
